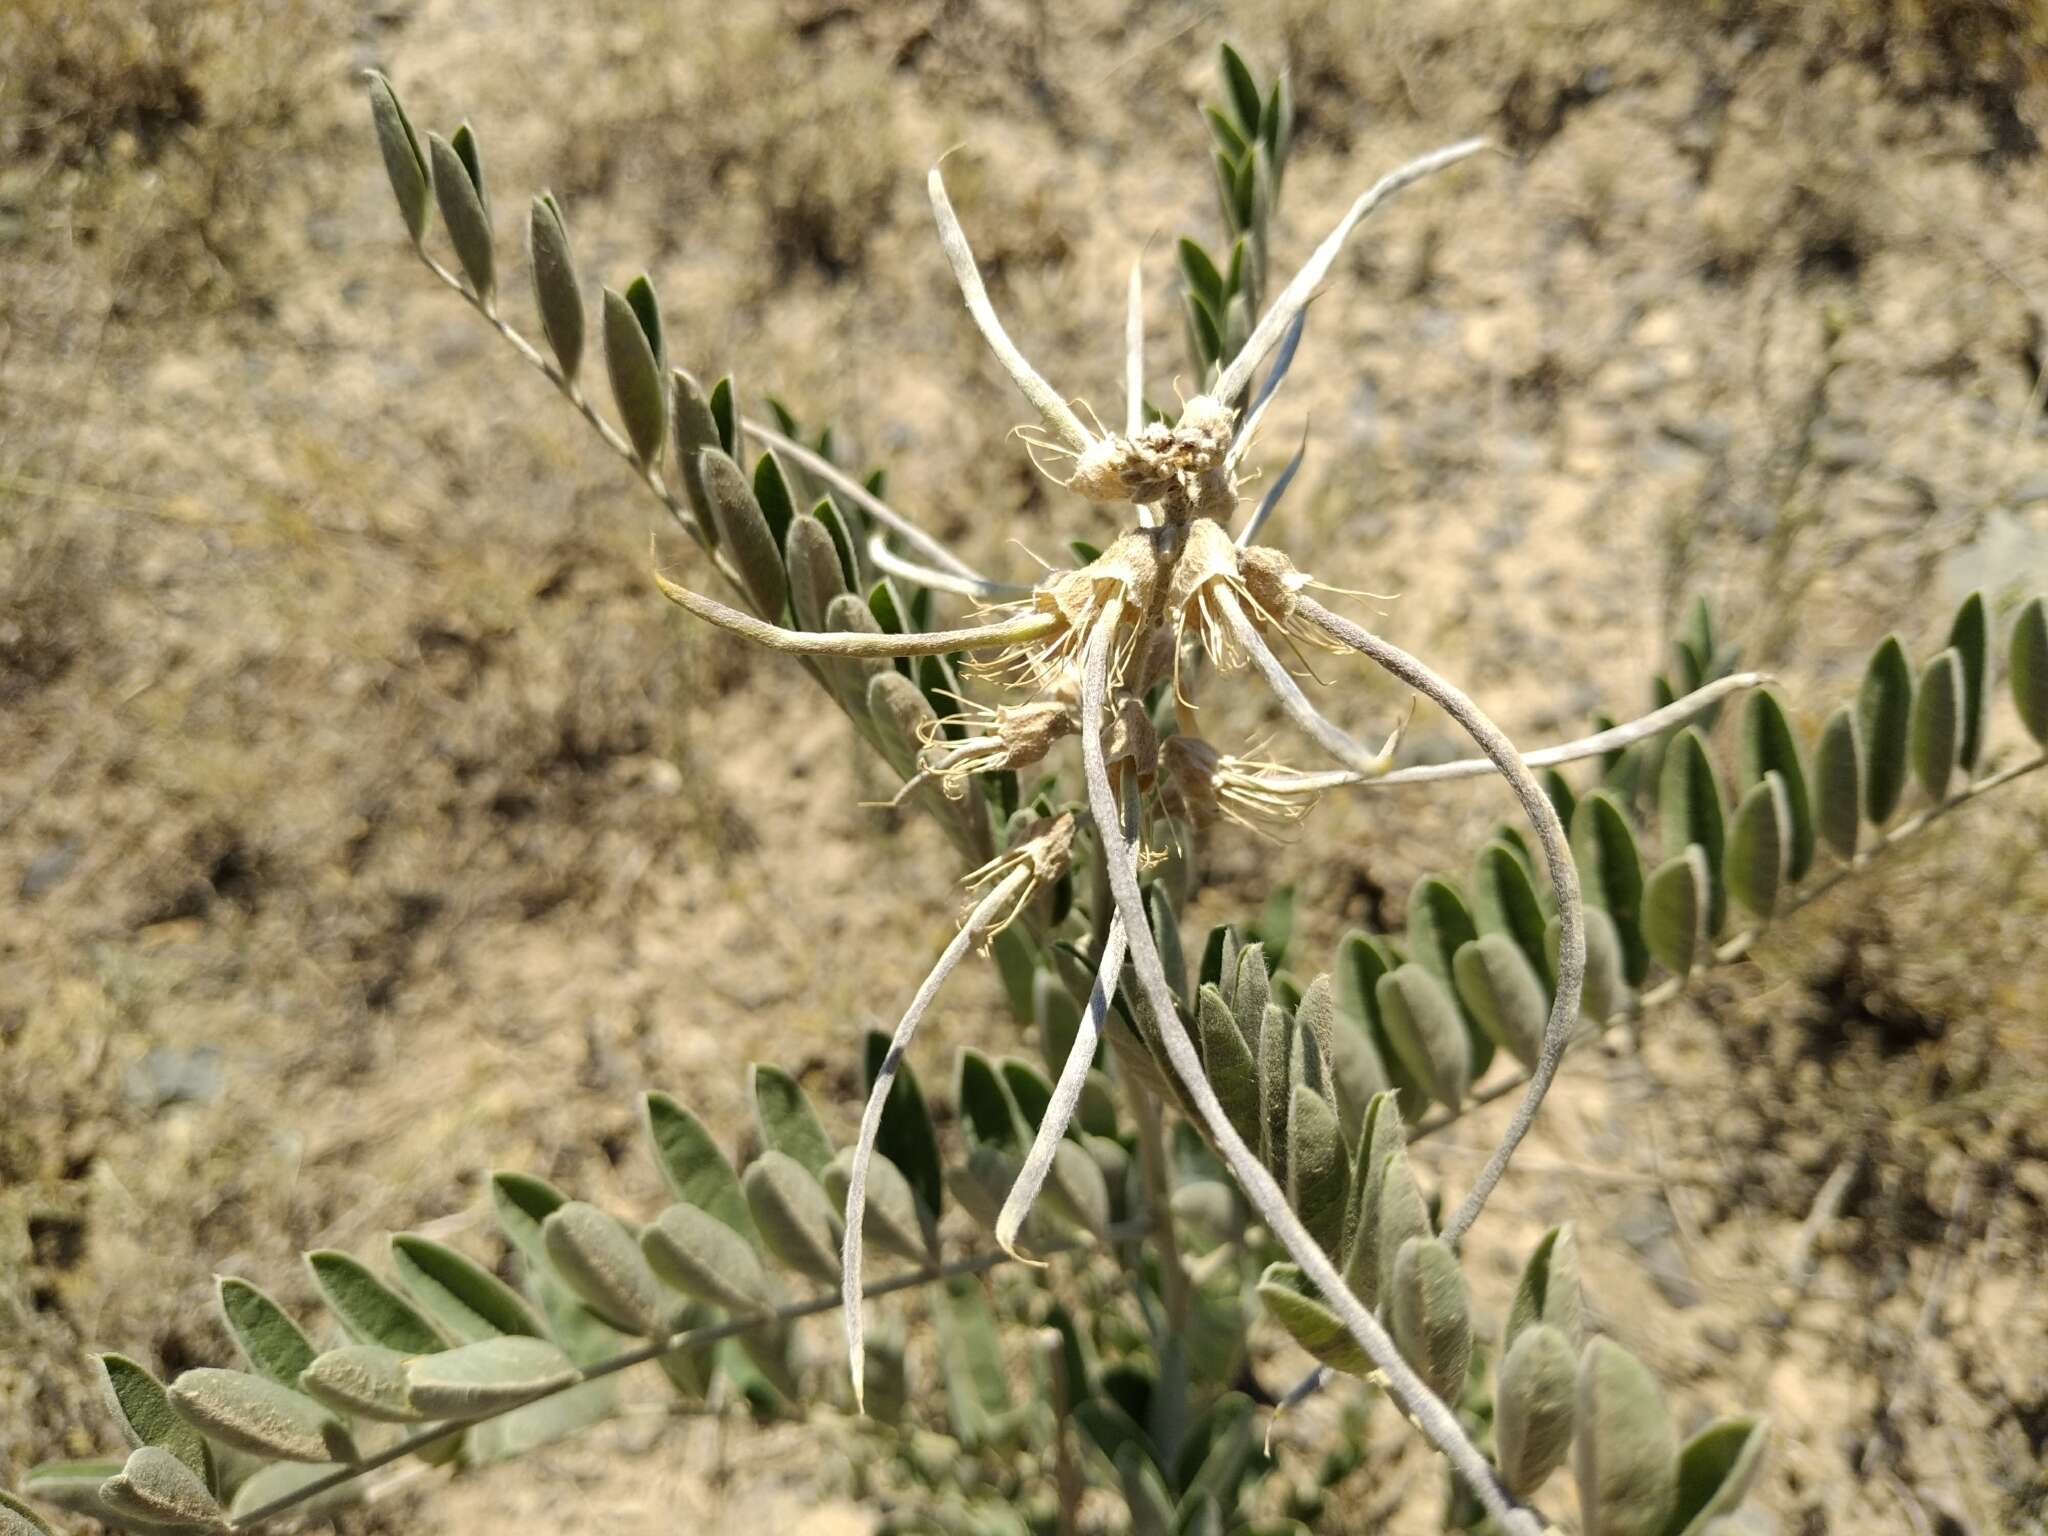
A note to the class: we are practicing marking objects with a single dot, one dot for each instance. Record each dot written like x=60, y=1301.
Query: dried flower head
x=1201, y=784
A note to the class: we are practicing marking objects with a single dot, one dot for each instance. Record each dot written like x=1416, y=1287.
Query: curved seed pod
x=1675, y=911
x=702, y=1257
x=634, y=368
x=1625, y=1451
x=1504, y=900
x=1532, y=1409
x=1689, y=814
x=1838, y=783
x=785, y=1119
x=1758, y=846
x=1611, y=872
x=1501, y=989
x=1427, y=1031
x=1884, y=712
x=1969, y=635
x=603, y=1265
x=1429, y=1315
x=1549, y=1292
x=158, y=1489
x=488, y=1376
x=1715, y=1472
x=2028, y=665
x=1287, y=1294
x=147, y=1417
x=404, y=161
x=795, y=1217
x=461, y=1295
x=364, y=1379
x=743, y=531
x=557, y=293
x=255, y=1414
x=1768, y=745
x=815, y=577
x=270, y=1341
x=1318, y=1170
x=458, y=188
x=1937, y=730
x=896, y=1220
x=369, y=1309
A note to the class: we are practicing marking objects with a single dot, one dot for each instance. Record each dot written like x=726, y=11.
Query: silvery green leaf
x=988, y=1115
x=1016, y=959
x=255, y=1414
x=1549, y=1291
x=970, y=1360
x=1716, y=1469
x=603, y=1264
x=1056, y=1016
x=1607, y=991
x=1532, y=1408
x=71, y=1485
x=1228, y=139
x=1758, y=846
x=849, y=676
x=1884, y=713
x=1240, y=91
x=1501, y=989
x=1429, y=1315
x=557, y=292
x=1675, y=911
x=1504, y=900
x=464, y=213
x=1439, y=925
x=488, y=1376
x=693, y=430
x=2028, y=666
x=1251, y=989
x=1077, y=1190
x=786, y=1121
x=796, y=1219
x=1200, y=274
x=1689, y=813
x=1559, y=790
x=772, y=495
x=1318, y=1169
x=852, y=565
x=725, y=411
x=404, y=161
x=467, y=1300
x=1219, y=959
x=1294, y=1302
x=1315, y=1019
x=702, y=1257
x=157, y=1488
x=906, y=1137
x=1767, y=745
x=814, y=574
x=1611, y=870
x=896, y=1220
x=1969, y=635
x=1361, y=961
x=1625, y=1451
x=1937, y=729
x=1428, y=1032
x=1276, y=1086
x=363, y=1379
x=1228, y=1061
x=1029, y=1087
x=744, y=532
x=635, y=373
x=522, y=1202
x=369, y=1309
x=270, y=1341
x=145, y=1414
x=1838, y=783
x=695, y=1170
x=1144, y=1491
x=282, y=1479
x=1402, y=1214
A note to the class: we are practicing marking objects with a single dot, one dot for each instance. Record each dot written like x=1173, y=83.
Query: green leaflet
x=369, y=1309
x=1439, y=925
x=1288, y=1295
x=602, y=1264
x=1675, y=900
x=404, y=161
x=635, y=373
x=1625, y=1451
x=1611, y=870
x=1228, y=1060
x=1549, y=1291
x=1427, y=1031
x=268, y=1484
x=1250, y=992
x=522, y=1202
x=1716, y=1469
x=702, y=1257
x=1607, y=991
x=364, y=1379
x=906, y=1137
x=1767, y=745
x=467, y=1300
x=1969, y=635
x=989, y=1117
x=270, y=1341
x=1838, y=783
x=17, y=1519
x=1504, y=901
x=1318, y=1169
x=897, y=1220
x=814, y=574
x=1057, y=1018
x=146, y=1416
x=796, y=1220
x=459, y=190
x=772, y=494
x=1689, y=815
x=1200, y=274
x=1500, y=988
x=2028, y=665
x=1276, y=1055
x=725, y=412
x=695, y=1170
x=1144, y=1491
x=1532, y=1408
x=1430, y=1316
x=786, y=1121
x=71, y=1485
x=970, y=1361
x=1361, y=961
x=744, y=532
x=1884, y=710
x=1758, y=846
x=557, y=292
x=1381, y=1135
x=254, y=1414
x=1937, y=729
x=488, y=1376
x=1403, y=1214
x=158, y=1488
x=692, y=429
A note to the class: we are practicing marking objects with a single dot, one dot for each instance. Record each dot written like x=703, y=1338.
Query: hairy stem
x=1564, y=881
x=988, y=637
x=979, y=588
x=1436, y=1421
x=1359, y=762
x=1249, y=533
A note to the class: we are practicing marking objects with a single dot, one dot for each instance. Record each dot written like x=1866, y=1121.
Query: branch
x=1324, y=732
x=854, y=642
x=1564, y=881
x=979, y=588
x=1436, y=1421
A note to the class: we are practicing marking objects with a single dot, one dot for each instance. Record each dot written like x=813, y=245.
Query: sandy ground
x=370, y=823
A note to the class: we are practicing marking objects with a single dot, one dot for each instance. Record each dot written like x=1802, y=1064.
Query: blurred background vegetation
x=366, y=822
